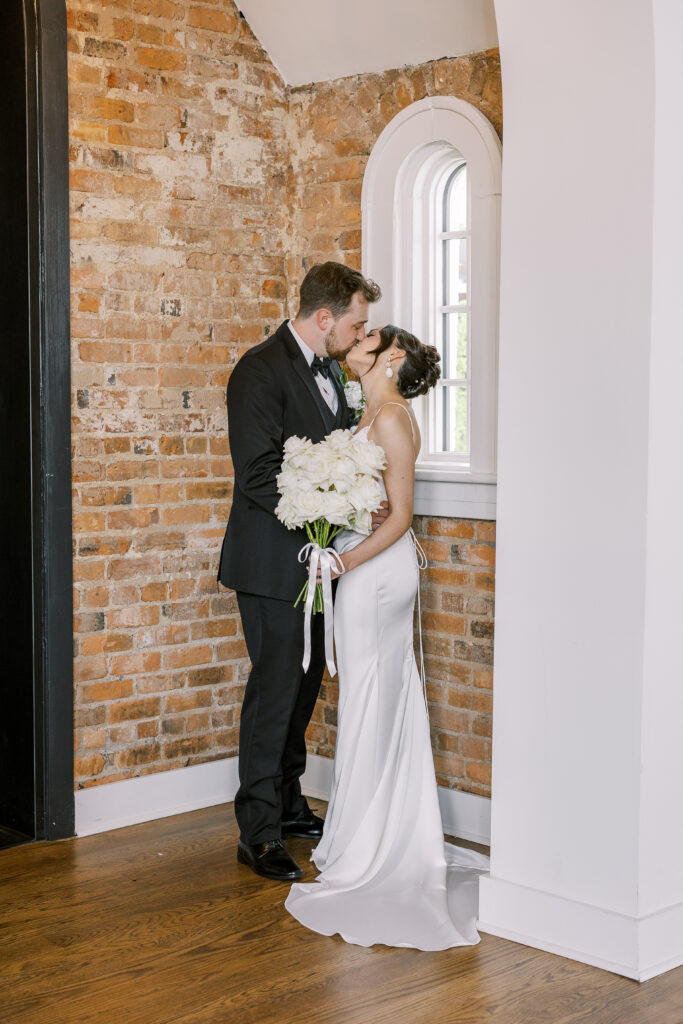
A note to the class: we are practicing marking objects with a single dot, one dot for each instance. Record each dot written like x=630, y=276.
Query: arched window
x=449, y=430
x=431, y=211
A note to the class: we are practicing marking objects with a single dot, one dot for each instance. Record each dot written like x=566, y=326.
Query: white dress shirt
x=325, y=386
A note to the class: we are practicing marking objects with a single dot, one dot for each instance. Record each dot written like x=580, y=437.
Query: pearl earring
x=389, y=371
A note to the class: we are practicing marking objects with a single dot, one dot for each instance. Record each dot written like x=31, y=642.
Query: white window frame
x=397, y=203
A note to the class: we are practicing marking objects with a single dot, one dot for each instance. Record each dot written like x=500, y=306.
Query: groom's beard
x=332, y=345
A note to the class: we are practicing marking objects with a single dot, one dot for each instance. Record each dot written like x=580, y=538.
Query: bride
x=386, y=874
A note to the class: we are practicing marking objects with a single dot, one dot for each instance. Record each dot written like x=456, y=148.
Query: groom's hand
x=380, y=515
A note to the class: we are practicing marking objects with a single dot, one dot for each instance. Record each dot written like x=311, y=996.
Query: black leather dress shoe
x=271, y=859
x=309, y=827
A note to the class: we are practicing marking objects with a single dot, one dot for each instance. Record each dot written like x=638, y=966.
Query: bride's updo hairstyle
x=419, y=371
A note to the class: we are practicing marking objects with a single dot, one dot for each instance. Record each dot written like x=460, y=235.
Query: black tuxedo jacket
x=272, y=395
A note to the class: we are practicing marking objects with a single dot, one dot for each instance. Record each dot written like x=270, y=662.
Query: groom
x=287, y=385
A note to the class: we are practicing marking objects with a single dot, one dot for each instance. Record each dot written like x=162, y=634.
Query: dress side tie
x=422, y=563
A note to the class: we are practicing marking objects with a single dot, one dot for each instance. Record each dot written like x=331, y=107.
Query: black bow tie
x=321, y=366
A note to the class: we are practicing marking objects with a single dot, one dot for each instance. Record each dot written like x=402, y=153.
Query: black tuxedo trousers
x=277, y=707
x=272, y=395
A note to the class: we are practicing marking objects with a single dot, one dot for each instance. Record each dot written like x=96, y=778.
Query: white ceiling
x=319, y=40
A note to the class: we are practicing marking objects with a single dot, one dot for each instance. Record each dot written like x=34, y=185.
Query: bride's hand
x=334, y=573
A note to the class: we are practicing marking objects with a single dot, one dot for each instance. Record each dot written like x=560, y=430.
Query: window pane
x=456, y=201
x=451, y=419
x=455, y=271
x=455, y=345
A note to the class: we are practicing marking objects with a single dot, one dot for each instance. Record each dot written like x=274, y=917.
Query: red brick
x=211, y=19
x=448, y=577
x=210, y=676
x=137, y=755
x=94, y=739
x=187, y=700
x=450, y=719
x=110, y=690
x=186, y=747
x=109, y=109
x=484, y=581
x=85, y=766
x=105, y=643
x=188, y=657
x=450, y=528
x=483, y=678
x=154, y=592
x=474, y=747
x=123, y=711
x=135, y=663
x=90, y=668
x=146, y=730
x=232, y=649
x=449, y=624
x=161, y=60
x=486, y=531
x=474, y=554
x=479, y=772
x=435, y=550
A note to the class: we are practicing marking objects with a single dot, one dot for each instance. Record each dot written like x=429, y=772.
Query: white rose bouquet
x=325, y=488
x=329, y=486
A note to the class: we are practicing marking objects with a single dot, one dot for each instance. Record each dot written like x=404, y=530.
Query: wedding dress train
x=386, y=874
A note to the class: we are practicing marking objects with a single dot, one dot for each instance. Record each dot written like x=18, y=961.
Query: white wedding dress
x=386, y=873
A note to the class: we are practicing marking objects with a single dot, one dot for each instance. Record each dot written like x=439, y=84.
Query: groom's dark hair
x=332, y=286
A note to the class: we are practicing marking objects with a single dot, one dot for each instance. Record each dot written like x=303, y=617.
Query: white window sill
x=457, y=494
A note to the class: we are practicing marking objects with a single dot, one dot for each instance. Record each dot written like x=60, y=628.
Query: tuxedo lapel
x=305, y=375
x=342, y=417
x=302, y=368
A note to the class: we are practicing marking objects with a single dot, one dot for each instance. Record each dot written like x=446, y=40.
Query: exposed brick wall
x=179, y=162
x=457, y=598
x=334, y=127
x=457, y=623
x=198, y=185
x=336, y=124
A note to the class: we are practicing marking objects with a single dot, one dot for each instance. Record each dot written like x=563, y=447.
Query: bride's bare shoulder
x=395, y=420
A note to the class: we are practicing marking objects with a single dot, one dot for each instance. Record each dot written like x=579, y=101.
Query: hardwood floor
x=158, y=924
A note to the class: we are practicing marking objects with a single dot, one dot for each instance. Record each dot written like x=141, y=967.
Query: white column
x=660, y=883
x=587, y=674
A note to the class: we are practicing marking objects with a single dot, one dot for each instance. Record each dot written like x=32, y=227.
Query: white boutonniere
x=355, y=399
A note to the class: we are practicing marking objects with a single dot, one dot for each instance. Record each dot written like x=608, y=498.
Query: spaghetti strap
x=401, y=406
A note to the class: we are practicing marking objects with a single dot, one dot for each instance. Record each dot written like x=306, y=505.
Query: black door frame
x=49, y=274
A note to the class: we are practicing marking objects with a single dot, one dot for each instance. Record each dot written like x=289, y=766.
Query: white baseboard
x=161, y=794
x=634, y=948
x=466, y=815
x=317, y=779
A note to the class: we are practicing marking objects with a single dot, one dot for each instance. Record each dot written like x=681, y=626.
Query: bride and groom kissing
x=386, y=874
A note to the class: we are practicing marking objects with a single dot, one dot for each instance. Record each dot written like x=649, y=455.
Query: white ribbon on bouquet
x=326, y=558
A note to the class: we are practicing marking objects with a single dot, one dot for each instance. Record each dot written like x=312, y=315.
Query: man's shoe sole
x=290, y=877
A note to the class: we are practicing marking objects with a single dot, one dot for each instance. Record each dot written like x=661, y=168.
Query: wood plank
x=158, y=924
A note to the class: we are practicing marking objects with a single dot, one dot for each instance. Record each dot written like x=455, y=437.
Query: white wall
x=587, y=690
x=310, y=41
x=661, y=839
x=575, y=309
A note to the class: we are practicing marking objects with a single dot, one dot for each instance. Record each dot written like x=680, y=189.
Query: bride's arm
x=392, y=431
